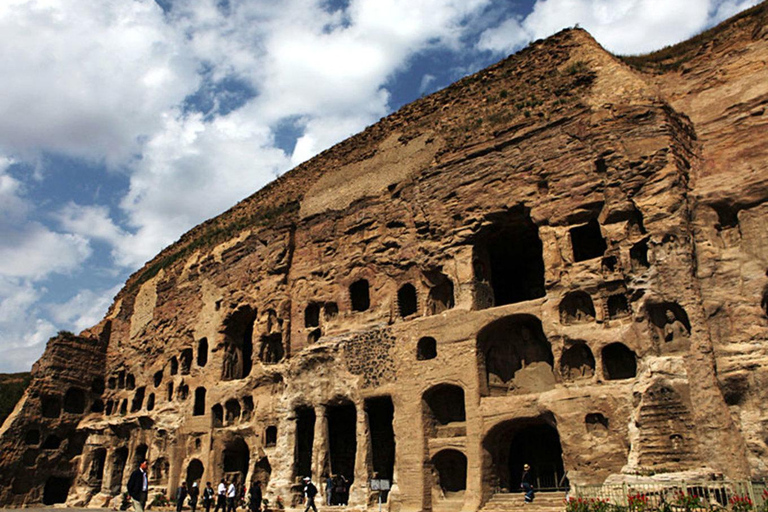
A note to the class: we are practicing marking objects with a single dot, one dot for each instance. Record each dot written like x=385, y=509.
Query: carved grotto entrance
x=235, y=461
x=513, y=443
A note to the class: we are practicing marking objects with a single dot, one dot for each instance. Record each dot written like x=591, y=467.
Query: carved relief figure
x=230, y=362
x=271, y=350
x=674, y=329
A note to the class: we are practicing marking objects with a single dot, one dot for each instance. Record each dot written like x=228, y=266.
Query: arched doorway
x=514, y=356
x=448, y=480
x=451, y=469
x=533, y=441
x=194, y=472
x=236, y=459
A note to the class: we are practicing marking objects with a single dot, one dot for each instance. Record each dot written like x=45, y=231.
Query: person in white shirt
x=231, y=494
x=221, y=497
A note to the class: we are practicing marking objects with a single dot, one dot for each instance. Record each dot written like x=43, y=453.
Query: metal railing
x=680, y=495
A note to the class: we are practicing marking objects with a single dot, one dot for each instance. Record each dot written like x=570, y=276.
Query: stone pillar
x=359, y=492
x=473, y=449
x=320, y=445
x=408, y=493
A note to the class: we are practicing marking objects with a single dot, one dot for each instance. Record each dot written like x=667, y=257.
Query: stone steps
x=514, y=502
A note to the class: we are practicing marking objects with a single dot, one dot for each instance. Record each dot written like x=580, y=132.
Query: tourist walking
x=310, y=491
x=208, y=495
x=194, y=492
x=254, y=503
x=181, y=495
x=231, y=496
x=137, y=487
x=526, y=483
x=221, y=496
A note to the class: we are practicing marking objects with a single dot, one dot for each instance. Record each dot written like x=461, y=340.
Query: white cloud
x=34, y=251
x=90, y=222
x=621, y=26
x=22, y=333
x=193, y=170
x=506, y=38
x=84, y=310
x=730, y=7
x=87, y=78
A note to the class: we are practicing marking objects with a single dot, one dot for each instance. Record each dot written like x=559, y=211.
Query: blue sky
x=124, y=123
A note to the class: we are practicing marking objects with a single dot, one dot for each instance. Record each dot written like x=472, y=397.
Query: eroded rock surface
x=560, y=260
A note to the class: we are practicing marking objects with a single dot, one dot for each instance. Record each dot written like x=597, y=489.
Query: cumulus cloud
x=87, y=78
x=190, y=171
x=22, y=333
x=84, y=310
x=621, y=26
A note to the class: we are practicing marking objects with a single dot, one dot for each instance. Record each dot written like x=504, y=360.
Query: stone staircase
x=513, y=502
x=449, y=504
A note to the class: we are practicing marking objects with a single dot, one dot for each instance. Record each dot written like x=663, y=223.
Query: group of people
x=227, y=496
x=336, y=491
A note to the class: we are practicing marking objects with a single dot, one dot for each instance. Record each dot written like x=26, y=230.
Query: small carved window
x=74, y=401
x=217, y=415
x=312, y=315
x=270, y=436
x=359, y=295
x=597, y=424
x=618, y=306
x=406, y=300
x=199, y=407
x=202, y=352
x=619, y=362
x=426, y=349
x=587, y=241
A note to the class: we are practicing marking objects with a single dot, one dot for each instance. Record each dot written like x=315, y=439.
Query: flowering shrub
x=577, y=505
x=687, y=501
x=588, y=505
x=638, y=502
x=741, y=503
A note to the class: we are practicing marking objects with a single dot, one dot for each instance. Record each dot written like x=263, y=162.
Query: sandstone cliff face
x=538, y=264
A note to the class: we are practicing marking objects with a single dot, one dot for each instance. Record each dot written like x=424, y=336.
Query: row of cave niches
x=508, y=266
x=515, y=355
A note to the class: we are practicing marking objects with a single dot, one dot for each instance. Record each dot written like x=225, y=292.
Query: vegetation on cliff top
x=12, y=386
x=670, y=58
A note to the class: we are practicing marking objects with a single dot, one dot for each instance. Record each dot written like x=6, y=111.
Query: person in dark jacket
x=181, y=495
x=526, y=483
x=208, y=495
x=254, y=502
x=194, y=492
x=137, y=487
x=310, y=491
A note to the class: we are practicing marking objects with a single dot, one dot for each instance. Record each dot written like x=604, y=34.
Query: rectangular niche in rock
x=238, y=343
x=587, y=241
x=508, y=256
